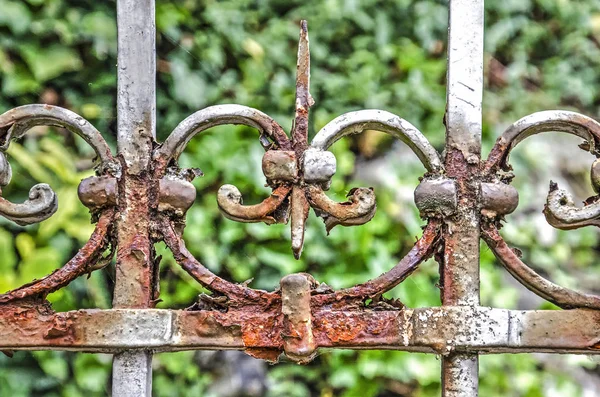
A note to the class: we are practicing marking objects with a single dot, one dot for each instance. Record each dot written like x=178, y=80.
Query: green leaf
x=49, y=62
x=15, y=15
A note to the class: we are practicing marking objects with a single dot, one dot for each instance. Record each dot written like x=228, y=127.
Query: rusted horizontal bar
x=440, y=330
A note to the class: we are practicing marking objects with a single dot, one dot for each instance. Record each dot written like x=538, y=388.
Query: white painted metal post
x=134, y=285
x=460, y=273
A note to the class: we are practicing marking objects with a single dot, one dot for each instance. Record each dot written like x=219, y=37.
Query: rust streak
x=303, y=99
x=423, y=249
x=83, y=262
x=238, y=294
x=561, y=297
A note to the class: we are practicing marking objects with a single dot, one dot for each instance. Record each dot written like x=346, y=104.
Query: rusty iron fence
x=140, y=196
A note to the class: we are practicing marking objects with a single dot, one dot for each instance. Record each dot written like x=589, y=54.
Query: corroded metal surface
x=297, y=172
x=442, y=330
x=560, y=210
x=136, y=269
x=498, y=199
x=14, y=124
x=460, y=264
x=436, y=197
x=88, y=259
x=140, y=197
x=298, y=340
x=175, y=195
x=560, y=296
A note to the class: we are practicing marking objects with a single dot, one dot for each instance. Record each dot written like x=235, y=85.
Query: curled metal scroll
x=358, y=210
x=379, y=120
x=361, y=206
x=229, y=199
x=16, y=122
x=87, y=259
x=42, y=201
x=299, y=175
x=423, y=249
x=214, y=116
x=237, y=294
x=560, y=296
x=560, y=210
x=536, y=123
x=562, y=213
x=229, y=196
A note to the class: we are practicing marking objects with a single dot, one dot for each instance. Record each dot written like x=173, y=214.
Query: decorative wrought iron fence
x=140, y=196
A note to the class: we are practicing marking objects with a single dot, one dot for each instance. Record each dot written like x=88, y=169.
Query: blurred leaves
x=540, y=54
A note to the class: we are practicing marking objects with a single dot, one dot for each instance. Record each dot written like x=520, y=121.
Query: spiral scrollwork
x=15, y=123
x=299, y=174
x=42, y=202
x=560, y=210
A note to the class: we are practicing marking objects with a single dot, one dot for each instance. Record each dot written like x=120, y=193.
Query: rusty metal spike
x=299, y=214
x=303, y=98
x=304, y=101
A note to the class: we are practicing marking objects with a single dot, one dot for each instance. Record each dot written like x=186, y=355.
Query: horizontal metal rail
x=439, y=330
x=139, y=197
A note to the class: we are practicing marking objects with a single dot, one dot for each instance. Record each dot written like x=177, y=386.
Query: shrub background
x=540, y=54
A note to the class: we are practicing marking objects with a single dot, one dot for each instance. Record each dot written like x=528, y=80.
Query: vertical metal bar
x=132, y=374
x=460, y=270
x=136, y=104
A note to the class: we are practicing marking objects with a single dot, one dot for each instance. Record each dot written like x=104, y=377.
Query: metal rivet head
x=319, y=166
x=436, y=197
x=498, y=199
x=280, y=166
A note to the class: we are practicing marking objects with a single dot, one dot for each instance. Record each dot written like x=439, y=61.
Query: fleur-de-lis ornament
x=299, y=174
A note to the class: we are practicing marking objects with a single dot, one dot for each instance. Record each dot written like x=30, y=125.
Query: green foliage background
x=540, y=54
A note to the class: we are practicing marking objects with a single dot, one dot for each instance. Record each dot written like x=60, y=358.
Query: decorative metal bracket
x=140, y=197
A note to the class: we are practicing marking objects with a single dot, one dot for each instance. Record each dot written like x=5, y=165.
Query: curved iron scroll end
x=380, y=120
x=42, y=202
x=271, y=210
x=358, y=210
x=41, y=205
x=16, y=122
x=536, y=123
x=560, y=296
x=561, y=212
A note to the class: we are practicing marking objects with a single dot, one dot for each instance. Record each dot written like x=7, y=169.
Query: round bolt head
x=280, y=165
x=319, y=166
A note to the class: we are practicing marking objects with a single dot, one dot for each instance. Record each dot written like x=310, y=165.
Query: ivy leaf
x=47, y=63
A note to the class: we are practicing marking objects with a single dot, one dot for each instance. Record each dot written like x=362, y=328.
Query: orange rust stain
x=340, y=327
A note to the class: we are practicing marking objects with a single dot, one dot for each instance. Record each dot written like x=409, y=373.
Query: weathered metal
x=298, y=340
x=460, y=265
x=14, y=124
x=498, y=199
x=436, y=197
x=136, y=283
x=560, y=296
x=140, y=197
x=85, y=261
x=175, y=195
x=438, y=330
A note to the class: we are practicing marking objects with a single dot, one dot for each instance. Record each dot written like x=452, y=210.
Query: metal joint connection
x=176, y=196
x=436, y=197
x=298, y=340
x=140, y=197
